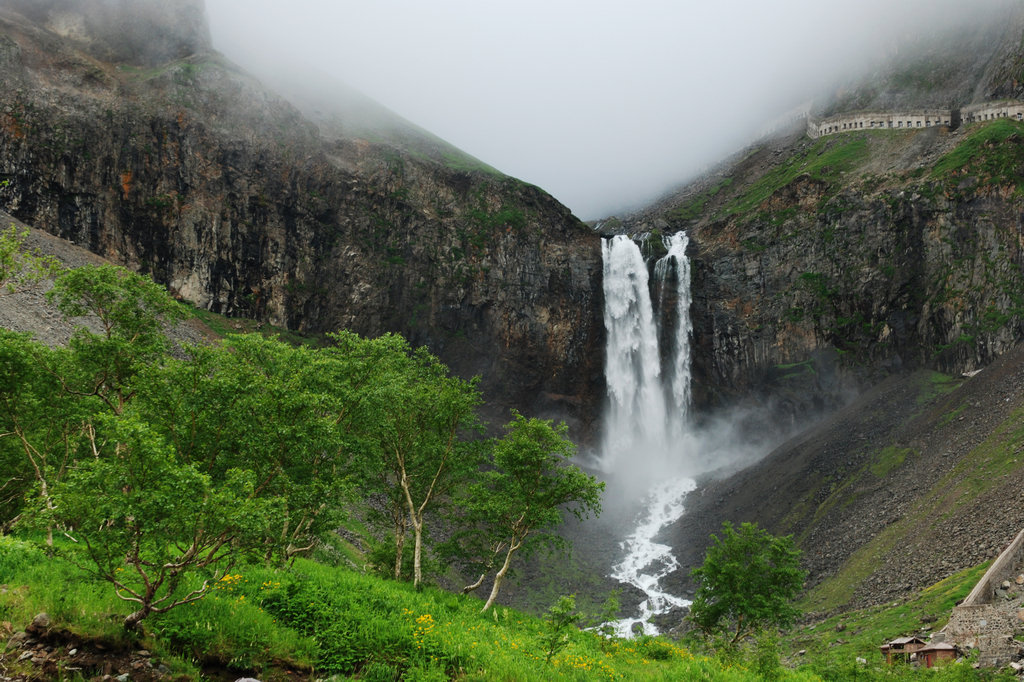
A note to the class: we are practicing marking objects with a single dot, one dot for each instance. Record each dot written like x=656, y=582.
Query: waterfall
x=646, y=428
x=637, y=412
x=675, y=265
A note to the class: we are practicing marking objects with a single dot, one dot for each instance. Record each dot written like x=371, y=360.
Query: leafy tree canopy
x=517, y=505
x=748, y=581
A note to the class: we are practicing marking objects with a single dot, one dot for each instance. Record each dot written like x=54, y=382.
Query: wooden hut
x=932, y=654
x=901, y=648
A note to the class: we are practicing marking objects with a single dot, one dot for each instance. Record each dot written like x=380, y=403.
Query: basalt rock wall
x=191, y=171
x=836, y=279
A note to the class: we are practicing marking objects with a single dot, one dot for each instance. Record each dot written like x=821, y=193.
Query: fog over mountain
x=605, y=104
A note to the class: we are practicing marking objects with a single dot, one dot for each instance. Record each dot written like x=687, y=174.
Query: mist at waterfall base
x=652, y=454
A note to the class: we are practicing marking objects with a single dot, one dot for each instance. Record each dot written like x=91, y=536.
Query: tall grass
x=333, y=623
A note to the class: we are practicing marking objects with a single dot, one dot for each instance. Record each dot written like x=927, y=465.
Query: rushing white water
x=676, y=264
x=646, y=430
x=637, y=414
x=647, y=561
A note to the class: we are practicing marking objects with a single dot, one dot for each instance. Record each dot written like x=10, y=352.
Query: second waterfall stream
x=646, y=427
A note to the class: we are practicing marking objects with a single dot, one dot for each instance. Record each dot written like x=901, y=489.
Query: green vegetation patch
x=221, y=325
x=861, y=632
x=936, y=384
x=991, y=155
x=457, y=160
x=694, y=208
x=998, y=455
x=888, y=459
x=340, y=622
x=824, y=161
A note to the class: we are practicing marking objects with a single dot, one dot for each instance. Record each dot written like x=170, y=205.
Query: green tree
x=426, y=411
x=517, y=505
x=50, y=396
x=40, y=426
x=286, y=413
x=142, y=520
x=131, y=311
x=748, y=581
x=559, y=622
x=417, y=448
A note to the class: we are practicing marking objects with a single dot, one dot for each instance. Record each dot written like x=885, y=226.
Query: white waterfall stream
x=646, y=427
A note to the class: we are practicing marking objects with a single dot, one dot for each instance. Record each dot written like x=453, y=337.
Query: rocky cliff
x=880, y=263
x=161, y=155
x=820, y=267
x=864, y=275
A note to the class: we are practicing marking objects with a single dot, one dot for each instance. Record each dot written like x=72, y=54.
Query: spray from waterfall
x=646, y=426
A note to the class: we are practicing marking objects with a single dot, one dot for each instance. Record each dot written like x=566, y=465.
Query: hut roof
x=907, y=640
x=938, y=646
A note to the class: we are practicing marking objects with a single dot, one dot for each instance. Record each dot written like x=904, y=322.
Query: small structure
x=901, y=649
x=935, y=653
x=991, y=615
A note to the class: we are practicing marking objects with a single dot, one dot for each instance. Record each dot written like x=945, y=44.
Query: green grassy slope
x=314, y=621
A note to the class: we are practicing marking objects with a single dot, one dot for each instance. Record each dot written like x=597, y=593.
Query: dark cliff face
x=821, y=267
x=192, y=172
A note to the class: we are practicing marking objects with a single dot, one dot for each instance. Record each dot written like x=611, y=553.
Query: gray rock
x=40, y=623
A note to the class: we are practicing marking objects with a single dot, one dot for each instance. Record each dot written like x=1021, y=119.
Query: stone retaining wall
x=921, y=118
x=987, y=619
x=925, y=118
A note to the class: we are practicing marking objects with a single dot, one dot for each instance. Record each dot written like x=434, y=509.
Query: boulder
x=39, y=624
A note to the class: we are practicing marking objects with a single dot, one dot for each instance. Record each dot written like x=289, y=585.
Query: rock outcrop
x=821, y=267
x=168, y=159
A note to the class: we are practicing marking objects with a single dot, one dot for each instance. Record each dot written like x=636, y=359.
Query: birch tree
x=426, y=412
x=142, y=520
x=516, y=507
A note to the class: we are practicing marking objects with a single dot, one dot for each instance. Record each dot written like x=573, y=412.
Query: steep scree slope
x=915, y=480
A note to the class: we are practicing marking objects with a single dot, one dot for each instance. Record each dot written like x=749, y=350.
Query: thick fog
x=604, y=104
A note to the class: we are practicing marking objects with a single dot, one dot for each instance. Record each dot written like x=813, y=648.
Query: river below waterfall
x=647, y=561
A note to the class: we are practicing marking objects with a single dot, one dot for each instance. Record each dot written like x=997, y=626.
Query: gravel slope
x=26, y=310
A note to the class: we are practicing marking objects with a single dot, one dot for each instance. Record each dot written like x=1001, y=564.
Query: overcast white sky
x=604, y=104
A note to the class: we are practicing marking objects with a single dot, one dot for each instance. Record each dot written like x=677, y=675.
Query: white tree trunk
x=417, y=552
x=399, y=548
x=499, y=577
